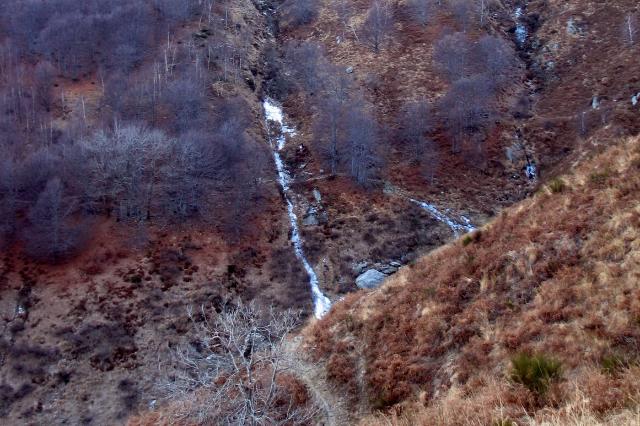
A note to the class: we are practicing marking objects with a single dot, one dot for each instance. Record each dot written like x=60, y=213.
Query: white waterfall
x=273, y=113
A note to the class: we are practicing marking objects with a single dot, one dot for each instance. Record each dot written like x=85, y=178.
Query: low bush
x=613, y=364
x=600, y=178
x=503, y=422
x=535, y=372
x=557, y=185
x=474, y=237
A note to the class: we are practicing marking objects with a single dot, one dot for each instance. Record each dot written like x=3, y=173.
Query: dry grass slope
x=556, y=274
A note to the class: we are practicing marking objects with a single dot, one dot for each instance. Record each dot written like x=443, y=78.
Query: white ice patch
x=463, y=225
x=521, y=29
x=274, y=113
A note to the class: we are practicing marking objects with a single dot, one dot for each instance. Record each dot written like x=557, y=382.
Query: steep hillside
x=556, y=275
x=572, y=75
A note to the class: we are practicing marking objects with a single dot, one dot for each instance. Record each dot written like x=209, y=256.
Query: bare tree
x=416, y=122
x=482, y=8
x=308, y=62
x=52, y=236
x=185, y=98
x=343, y=11
x=44, y=74
x=364, y=136
x=452, y=53
x=421, y=10
x=331, y=120
x=378, y=24
x=430, y=160
x=468, y=109
x=175, y=11
x=463, y=11
x=497, y=58
x=126, y=168
x=630, y=29
x=9, y=199
x=240, y=372
x=299, y=12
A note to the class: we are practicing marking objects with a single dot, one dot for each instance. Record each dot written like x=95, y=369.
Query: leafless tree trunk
x=416, y=122
x=378, y=24
x=239, y=375
x=344, y=11
x=429, y=161
x=452, y=53
x=421, y=10
x=630, y=29
x=363, y=137
x=51, y=235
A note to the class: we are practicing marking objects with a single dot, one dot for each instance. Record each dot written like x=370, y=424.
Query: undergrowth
x=535, y=372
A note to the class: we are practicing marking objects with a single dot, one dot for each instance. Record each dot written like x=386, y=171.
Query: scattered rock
x=314, y=217
x=370, y=279
x=574, y=27
x=359, y=268
x=388, y=270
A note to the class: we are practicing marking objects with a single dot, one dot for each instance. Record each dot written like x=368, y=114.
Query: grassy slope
x=555, y=274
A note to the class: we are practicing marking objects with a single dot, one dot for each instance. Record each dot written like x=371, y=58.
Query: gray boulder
x=310, y=220
x=388, y=269
x=370, y=279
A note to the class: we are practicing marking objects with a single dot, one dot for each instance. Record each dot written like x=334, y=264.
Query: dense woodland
x=159, y=147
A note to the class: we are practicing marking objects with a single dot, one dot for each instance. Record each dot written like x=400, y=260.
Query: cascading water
x=463, y=225
x=273, y=113
x=521, y=29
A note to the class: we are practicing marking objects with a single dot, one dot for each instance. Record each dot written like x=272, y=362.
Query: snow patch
x=274, y=113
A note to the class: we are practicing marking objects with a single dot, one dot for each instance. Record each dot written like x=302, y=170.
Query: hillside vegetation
x=554, y=277
x=184, y=183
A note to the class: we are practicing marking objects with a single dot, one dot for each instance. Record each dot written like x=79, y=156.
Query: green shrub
x=535, y=371
x=557, y=185
x=600, y=178
x=474, y=237
x=612, y=364
x=503, y=422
